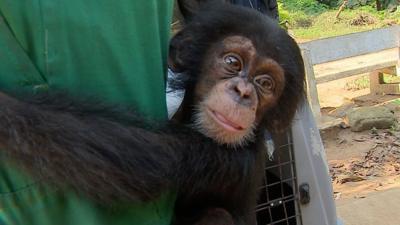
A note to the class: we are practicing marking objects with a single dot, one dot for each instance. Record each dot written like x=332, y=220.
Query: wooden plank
x=375, y=81
x=312, y=92
x=389, y=70
x=352, y=66
x=348, y=73
x=391, y=89
x=345, y=46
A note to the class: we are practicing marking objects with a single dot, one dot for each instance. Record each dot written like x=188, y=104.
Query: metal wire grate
x=278, y=202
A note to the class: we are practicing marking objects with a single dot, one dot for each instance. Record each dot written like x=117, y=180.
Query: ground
x=364, y=165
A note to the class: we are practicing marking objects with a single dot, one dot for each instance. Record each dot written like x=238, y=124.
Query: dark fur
x=89, y=149
x=213, y=23
x=113, y=155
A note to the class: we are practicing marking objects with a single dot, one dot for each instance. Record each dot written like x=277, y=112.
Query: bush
x=358, y=3
x=293, y=19
x=284, y=15
x=330, y=3
x=308, y=6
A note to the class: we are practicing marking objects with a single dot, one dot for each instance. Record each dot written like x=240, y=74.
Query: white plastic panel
x=312, y=168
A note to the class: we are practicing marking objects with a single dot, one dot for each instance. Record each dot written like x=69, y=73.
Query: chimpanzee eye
x=233, y=62
x=265, y=83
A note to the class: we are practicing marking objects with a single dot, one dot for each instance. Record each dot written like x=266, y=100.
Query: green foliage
x=293, y=19
x=303, y=21
x=307, y=6
x=394, y=15
x=299, y=14
x=284, y=15
x=312, y=19
x=396, y=101
x=358, y=84
x=326, y=25
x=393, y=5
x=390, y=79
x=330, y=3
x=385, y=4
x=357, y=3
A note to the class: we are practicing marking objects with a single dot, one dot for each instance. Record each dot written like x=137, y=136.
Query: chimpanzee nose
x=243, y=89
x=242, y=92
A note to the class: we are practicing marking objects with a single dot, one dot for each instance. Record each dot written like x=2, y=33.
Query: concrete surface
x=381, y=208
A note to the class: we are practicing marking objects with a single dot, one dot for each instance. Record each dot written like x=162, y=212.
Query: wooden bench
x=333, y=58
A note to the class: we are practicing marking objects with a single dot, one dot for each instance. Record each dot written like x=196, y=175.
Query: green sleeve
x=114, y=50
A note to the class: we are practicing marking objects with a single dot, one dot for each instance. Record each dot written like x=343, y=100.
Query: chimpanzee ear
x=189, y=7
x=177, y=45
x=281, y=115
x=181, y=42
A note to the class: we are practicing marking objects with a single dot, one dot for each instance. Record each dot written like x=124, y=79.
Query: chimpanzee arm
x=115, y=156
x=93, y=152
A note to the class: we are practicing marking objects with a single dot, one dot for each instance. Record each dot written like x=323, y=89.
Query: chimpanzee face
x=236, y=88
x=240, y=74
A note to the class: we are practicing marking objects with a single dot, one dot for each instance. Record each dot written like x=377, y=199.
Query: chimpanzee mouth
x=225, y=122
x=222, y=128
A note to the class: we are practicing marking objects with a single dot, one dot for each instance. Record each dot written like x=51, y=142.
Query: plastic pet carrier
x=297, y=188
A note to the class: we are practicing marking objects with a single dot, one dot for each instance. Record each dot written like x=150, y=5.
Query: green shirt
x=114, y=50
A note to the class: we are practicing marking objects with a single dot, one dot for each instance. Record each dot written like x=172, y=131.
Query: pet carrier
x=297, y=188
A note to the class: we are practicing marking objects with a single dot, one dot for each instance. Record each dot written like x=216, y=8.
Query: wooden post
x=341, y=8
x=375, y=82
x=312, y=92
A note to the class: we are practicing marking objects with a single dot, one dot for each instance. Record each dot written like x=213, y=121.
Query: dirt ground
x=361, y=163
